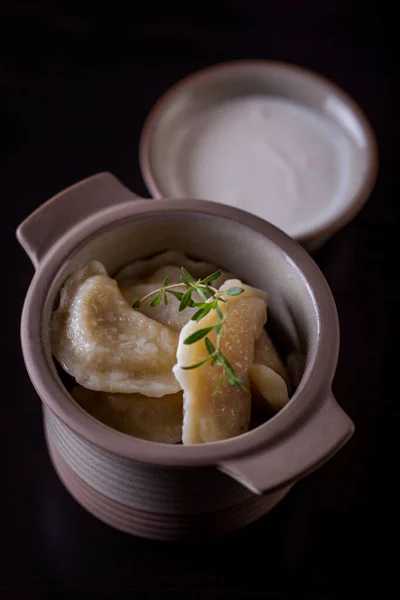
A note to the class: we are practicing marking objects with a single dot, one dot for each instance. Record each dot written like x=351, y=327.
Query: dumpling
x=134, y=290
x=268, y=376
x=266, y=354
x=153, y=419
x=142, y=269
x=74, y=281
x=210, y=416
x=169, y=314
x=108, y=346
x=270, y=393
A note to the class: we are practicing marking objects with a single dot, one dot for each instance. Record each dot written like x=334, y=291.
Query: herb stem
x=157, y=291
x=203, y=288
x=173, y=286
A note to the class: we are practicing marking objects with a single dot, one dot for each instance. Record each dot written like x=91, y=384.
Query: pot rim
x=314, y=387
x=338, y=219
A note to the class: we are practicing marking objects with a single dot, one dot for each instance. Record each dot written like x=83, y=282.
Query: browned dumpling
x=210, y=416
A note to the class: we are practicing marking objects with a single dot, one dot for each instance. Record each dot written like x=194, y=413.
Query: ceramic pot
x=165, y=491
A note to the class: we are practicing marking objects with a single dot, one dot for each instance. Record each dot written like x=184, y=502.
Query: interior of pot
x=247, y=254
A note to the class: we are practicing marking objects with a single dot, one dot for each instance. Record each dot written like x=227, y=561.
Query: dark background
x=75, y=88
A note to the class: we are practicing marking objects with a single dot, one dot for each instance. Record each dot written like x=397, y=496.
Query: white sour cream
x=272, y=157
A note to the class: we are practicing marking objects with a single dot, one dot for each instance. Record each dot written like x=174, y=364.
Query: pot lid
x=273, y=139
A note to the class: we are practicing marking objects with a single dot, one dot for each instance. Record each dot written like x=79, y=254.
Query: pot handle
x=298, y=454
x=55, y=217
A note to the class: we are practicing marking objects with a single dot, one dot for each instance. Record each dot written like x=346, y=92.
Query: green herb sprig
x=210, y=298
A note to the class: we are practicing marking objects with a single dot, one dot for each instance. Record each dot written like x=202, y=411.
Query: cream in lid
x=271, y=156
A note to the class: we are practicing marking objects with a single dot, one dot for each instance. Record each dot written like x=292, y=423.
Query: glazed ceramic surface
x=218, y=87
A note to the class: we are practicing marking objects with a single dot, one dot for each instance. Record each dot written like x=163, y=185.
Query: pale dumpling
x=268, y=376
x=153, y=419
x=210, y=416
x=134, y=290
x=74, y=281
x=108, y=346
x=270, y=392
x=169, y=314
x=266, y=354
x=141, y=269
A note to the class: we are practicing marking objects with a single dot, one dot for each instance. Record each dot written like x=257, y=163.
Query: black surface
x=75, y=91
